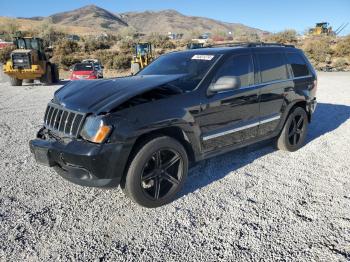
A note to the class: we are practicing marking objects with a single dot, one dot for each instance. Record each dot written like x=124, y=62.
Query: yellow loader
x=30, y=62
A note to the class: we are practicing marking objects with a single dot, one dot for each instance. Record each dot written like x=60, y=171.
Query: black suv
x=143, y=132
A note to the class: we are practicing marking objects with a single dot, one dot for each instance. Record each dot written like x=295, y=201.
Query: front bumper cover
x=82, y=162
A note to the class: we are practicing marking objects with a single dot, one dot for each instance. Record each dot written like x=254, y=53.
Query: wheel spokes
x=161, y=174
x=300, y=123
x=295, y=138
x=158, y=159
x=291, y=133
x=171, y=162
x=170, y=178
x=156, y=188
x=149, y=176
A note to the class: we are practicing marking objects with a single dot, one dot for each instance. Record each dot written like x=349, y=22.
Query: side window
x=298, y=64
x=240, y=66
x=272, y=67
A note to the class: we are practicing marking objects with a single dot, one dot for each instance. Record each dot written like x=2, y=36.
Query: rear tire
x=156, y=173
x=294, y=132
x=15, y=81
x=55, y=74
x=47, y=77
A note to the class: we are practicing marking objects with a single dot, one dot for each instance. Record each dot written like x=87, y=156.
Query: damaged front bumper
x=81, y=162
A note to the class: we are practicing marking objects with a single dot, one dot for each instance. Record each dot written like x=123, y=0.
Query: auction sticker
x=203, y=57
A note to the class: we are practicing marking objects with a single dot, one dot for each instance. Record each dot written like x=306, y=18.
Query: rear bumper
x=81, y=162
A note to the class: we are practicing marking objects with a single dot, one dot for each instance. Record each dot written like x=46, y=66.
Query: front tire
x=15, y=81
x=294, y=132
x=157, y=172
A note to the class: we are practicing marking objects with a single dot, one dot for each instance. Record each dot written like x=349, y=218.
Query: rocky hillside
x=89, y=16
x=173, y=21
x=94, y=17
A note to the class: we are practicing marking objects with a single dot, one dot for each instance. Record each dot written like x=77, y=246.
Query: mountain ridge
x=146, y=22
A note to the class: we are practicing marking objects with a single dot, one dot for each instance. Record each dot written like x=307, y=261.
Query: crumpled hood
x=98, y=96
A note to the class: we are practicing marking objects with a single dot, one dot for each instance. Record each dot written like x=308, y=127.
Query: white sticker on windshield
x=203, y=57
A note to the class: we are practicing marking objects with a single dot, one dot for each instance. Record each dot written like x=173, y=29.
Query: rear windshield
x=193, y=67
x=83, y=67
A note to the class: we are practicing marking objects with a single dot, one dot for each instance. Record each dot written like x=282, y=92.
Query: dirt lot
x=255, y=203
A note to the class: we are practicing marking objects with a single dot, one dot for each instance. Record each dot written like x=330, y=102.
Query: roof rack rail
x=249, y=44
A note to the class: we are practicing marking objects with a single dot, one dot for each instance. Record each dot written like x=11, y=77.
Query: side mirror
x=225, y=83
x=102, y=67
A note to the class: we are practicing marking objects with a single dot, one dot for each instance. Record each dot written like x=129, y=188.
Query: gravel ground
x=254, y=203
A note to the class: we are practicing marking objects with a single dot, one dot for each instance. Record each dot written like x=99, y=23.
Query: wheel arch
x=174, y=132
x=302, y=104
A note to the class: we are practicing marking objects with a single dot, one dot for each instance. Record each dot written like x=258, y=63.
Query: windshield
x=27, y=43
x=192, y=66
x=83, y=67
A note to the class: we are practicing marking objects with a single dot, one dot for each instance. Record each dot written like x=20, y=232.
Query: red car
x=83, y=71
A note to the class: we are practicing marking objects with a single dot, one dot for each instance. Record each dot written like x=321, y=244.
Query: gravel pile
x=254, y=203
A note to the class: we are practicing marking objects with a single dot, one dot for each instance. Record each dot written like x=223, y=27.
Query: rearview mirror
x=225, y=83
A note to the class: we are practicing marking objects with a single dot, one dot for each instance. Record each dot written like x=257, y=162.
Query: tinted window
x=297, y=64
x=272, y=67
x=240, y=66
x=83, y=67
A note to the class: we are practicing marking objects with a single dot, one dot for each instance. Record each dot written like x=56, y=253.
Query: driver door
x=231, y=117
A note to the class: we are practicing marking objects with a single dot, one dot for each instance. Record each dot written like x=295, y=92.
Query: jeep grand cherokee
x=142, y=132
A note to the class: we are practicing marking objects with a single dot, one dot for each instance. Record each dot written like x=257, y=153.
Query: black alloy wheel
x=162, y=173
x=157, y=172
x=296, y=129
x=294, y=132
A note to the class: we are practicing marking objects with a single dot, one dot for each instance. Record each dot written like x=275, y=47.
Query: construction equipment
x=30, y=61
x=324, y=28
x=195, y=45
x=142, y=57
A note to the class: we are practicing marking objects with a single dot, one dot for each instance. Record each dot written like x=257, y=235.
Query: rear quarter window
x=272, y=67
x=298, y=65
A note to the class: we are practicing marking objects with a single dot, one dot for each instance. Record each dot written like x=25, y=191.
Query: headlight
x=94, y=129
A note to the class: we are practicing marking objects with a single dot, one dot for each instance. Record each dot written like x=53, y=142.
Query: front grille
x=21, y=60
x=64, y=122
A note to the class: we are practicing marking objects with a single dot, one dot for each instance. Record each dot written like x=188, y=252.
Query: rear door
x=275, y=84
x=231, y=117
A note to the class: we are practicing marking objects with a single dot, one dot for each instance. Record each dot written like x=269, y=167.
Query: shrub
x=121, y=61
x=284, y=37
x=340, y=64
x=66, y=47
x=342, y=48
x=67, y=60
x=93, y=45
x=161, y=41
x=318, y=49
x=5, y=53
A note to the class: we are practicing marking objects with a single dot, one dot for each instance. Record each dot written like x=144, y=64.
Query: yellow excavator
x=324, y=28
x=30, y=61
x=143, y=56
